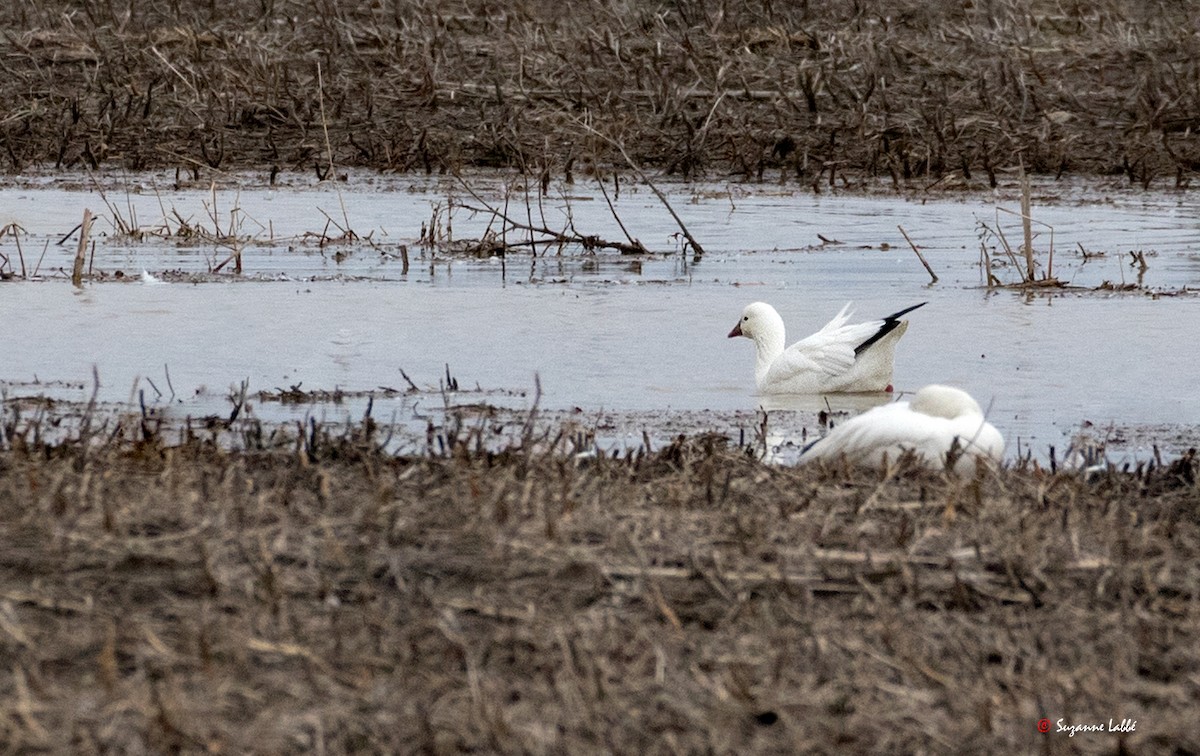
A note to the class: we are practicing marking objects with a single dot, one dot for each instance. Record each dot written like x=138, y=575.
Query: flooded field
x=324, y=302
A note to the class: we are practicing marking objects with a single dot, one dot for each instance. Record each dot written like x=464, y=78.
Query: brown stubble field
x=915, y=93
x=325, y=596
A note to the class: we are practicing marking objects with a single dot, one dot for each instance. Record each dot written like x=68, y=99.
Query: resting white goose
x=837, y=358
x=939, y=419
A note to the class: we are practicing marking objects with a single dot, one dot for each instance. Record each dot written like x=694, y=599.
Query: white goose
x=939, y=420
x=838, y=357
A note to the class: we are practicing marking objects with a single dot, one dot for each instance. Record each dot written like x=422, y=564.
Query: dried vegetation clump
x=823, y=93
x=334, y=598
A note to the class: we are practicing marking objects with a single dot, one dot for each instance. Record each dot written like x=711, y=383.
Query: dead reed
x=326, y=596
x=85, y=228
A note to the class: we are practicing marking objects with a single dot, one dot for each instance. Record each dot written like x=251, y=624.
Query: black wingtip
x=890, y=323
x=905, y=311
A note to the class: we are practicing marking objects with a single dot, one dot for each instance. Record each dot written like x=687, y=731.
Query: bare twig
x=412, y=387
x=329, y=147
x=921, y=257
x=613, y=210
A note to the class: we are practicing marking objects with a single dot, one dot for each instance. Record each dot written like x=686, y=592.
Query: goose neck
x=768, y=347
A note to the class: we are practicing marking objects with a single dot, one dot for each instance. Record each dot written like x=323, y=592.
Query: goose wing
x=831, y=350
x=891, y=428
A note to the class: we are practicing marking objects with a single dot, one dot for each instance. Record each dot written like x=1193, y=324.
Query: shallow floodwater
x=640, y=338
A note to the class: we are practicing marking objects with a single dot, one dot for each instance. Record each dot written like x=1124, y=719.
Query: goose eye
x=745, y=317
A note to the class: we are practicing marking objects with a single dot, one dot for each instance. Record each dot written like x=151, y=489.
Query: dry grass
x=335, y=599
x=824, y=93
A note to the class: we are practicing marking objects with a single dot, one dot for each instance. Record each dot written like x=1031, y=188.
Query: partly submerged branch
x=588, y=242
x=642, y=175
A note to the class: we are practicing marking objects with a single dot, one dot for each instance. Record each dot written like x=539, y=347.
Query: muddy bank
x=941, y=93
x=329, y=597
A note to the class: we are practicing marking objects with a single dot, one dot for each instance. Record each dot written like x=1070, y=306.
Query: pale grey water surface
x=606, y=334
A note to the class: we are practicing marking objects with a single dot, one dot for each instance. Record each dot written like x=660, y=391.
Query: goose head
x=944, y=401
x=759, y=320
